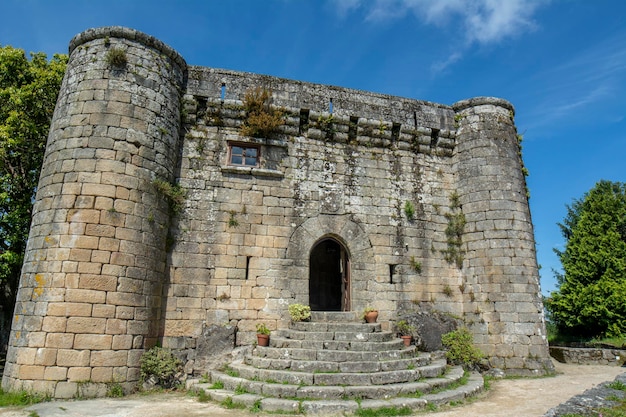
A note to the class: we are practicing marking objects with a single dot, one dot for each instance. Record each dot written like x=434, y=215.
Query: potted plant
x=262, y=335
x=299, y=312
x=370, y=315
x=405, y=330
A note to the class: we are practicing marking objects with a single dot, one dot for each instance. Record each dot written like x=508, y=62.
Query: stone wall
x=589, y=356
x=110, y=269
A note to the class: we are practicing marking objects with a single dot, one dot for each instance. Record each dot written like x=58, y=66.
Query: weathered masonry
x=358, y=199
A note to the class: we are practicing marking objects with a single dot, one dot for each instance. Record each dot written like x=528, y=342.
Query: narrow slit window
x=248, y=266
x=392, y=270
x=330, y=106
x=223, y=92
x=434, y=137
x=244, y=155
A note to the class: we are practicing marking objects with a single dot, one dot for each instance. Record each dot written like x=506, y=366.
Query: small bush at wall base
x=17, y=398
x=461, y=349
x=161, y=364
x=115, y=390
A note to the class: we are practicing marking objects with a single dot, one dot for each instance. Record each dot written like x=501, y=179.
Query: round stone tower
x=90, y=293
x=503, y=299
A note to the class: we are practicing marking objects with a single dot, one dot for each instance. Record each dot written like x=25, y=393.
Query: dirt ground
x=523, y=397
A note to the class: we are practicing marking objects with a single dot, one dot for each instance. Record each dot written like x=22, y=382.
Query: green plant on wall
x=116, y=57
x=262, y=120
x=232, y=220
x=415, y=265
x=326, y=124
x=454, y=253
x=409, y=210
x=174, y=194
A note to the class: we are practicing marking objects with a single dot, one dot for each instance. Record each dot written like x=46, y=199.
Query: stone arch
x=350, y=235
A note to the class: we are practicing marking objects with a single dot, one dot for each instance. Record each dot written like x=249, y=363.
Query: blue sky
x=561, y=63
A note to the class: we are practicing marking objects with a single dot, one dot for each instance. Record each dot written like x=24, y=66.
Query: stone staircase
x=334, y=364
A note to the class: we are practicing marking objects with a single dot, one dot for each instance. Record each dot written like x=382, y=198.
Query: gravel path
x=524, y=397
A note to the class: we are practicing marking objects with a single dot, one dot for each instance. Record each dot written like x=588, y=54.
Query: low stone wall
x=588, y=356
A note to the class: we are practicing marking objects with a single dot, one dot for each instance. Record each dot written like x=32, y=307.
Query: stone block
x=55, y=373
x=107, y=358
x=46, y=356
x=102, y=374
x=73, y=358
x=66, y=389
x=80, y=298
x=115, y=326
x=98, y=282
x=88, y=325
x=125, y=299
x=53, y=324
x=31, y=372
x=93, y=341
x=122, y=342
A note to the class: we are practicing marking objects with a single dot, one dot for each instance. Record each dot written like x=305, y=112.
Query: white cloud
x=482, y=21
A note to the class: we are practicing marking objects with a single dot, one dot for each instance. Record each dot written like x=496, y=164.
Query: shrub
x=461, y=349
x=299, y=312
x=116, y=58
x=174, y=194
x=261, y=119
x=161, y=364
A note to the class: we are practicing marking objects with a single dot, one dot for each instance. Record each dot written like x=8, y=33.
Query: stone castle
x=161, y=211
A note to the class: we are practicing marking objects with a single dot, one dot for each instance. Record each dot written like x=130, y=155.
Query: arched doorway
x=329, y=276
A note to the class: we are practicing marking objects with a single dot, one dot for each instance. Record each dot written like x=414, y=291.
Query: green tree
x=591, y=299
x=28, y=93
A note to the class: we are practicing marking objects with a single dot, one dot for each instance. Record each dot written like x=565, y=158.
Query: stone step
x=315, y=399
x=334, y=316
x=329, y=336
x=277, y=341
x=335, y=355
x=290, y=376
x=311, y=326
x=367, y=365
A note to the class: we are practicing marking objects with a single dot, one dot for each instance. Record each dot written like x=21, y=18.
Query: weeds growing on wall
x=173, y=193
x=261, y=119
x=19, y=398
x=116, y=57
x=454, y=232
x=409, y=210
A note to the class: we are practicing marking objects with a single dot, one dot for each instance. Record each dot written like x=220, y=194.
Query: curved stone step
x=333, y=316
x=367, y=365
x=334, y=355
x=289, y=376
x=293, y=398
x=282, y=342
x=311, y=326
x=343, y=336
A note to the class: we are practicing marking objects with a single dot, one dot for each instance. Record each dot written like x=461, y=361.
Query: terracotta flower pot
x=371, y=316
x=406, y=340
x=263, y=339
